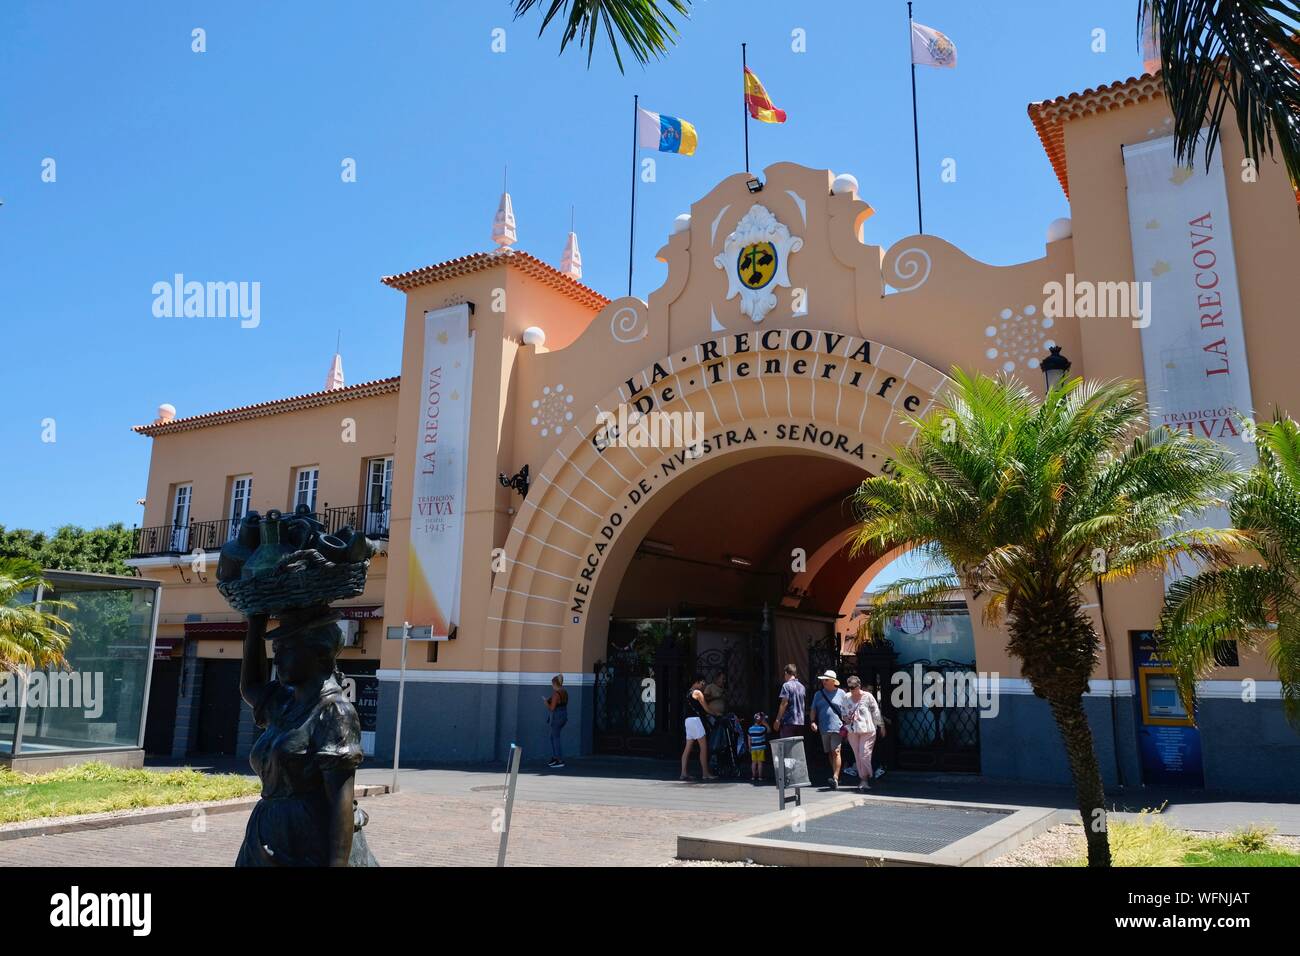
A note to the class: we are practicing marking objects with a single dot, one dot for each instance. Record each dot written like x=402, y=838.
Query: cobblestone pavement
x=406, y=829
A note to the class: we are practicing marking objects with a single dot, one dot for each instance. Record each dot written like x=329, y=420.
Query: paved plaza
x=598, y=812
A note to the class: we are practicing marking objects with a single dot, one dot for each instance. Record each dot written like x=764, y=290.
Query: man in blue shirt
x=790, y=715
x=828, y=705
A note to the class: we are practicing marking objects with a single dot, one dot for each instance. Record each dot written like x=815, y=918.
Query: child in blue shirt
x=757, y=736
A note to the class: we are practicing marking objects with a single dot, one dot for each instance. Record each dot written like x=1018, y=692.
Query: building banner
x=441, y=454
x=1193, y=348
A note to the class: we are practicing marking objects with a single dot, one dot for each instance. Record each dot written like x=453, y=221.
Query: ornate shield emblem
x=755, y=257
x=757, y=264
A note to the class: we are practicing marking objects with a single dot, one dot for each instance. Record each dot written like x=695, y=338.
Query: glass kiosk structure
x=95, y=708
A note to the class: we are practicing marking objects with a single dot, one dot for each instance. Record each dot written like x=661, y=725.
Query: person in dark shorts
x=790, y=717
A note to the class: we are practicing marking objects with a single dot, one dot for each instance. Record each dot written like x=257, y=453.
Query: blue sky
x=225, y=166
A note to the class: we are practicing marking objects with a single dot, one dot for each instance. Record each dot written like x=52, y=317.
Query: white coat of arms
x=755, y=258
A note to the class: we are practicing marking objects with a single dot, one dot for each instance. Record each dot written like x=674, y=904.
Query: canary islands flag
x=668, y=134
x=759, y=103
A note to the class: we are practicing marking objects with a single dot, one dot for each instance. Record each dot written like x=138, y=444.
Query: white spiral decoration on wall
x=628, y=325
x=911, y=266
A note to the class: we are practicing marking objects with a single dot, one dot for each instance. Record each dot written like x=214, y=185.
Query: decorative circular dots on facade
x=1019, y=338
x=552, y=410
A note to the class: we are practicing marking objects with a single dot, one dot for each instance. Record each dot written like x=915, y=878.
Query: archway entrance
x=779, y=393
x=704, y=592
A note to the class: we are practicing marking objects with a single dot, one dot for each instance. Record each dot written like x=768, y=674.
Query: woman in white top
x=863, y=720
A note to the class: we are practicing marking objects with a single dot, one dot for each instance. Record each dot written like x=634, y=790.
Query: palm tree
x=1243, y=54
x=1257, y=603
x=1031, y=502
x=30, y=635
x=642, y=24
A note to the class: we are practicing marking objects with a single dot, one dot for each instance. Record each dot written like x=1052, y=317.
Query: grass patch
x=98, y=788
x=1149, y=841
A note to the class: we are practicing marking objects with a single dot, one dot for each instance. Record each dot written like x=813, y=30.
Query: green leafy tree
x=1031, y=502
x=31, y=636
x=1238, y=55
x=99, y=550
x=643, y=25
x=1256, y=603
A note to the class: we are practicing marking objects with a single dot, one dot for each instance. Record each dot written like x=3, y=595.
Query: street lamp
x=1055, y=367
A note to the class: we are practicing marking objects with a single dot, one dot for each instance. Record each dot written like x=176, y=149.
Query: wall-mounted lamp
x=1055, y=367
x=754, y=185
x=519, y=481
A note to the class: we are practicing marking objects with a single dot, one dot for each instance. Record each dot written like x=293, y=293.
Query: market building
x=534, y=523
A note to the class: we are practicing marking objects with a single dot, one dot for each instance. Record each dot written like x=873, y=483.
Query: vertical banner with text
x=441, y=456
x=1193, y=347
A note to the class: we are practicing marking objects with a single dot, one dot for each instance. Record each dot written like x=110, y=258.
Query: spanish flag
x=759, y=103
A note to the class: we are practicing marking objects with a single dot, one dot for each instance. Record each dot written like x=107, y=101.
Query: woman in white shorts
x=696, y=730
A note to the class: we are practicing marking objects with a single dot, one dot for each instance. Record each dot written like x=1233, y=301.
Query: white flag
x=932, y=48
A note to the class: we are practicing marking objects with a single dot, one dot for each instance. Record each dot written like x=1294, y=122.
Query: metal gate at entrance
x=926, y=732
x=641, y=685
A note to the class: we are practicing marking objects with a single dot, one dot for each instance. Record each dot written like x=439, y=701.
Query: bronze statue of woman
x=309, y=749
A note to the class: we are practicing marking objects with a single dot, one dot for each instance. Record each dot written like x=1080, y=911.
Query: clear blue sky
x=225, y=166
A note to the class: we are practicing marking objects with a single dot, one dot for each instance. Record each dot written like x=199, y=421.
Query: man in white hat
x=828, y=707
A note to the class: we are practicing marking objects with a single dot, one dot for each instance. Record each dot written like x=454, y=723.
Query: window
x=241, y=495
x=181, y=517
x=305, y=490
x=379, y=497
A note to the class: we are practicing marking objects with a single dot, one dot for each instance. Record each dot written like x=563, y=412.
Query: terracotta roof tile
x=381, y=386
x=1049, y=116
x=517, y=259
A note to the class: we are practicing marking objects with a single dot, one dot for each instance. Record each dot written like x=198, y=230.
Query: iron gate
x=943, y=735
x=641, y=686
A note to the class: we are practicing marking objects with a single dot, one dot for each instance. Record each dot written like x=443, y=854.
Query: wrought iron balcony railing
x=163, y=540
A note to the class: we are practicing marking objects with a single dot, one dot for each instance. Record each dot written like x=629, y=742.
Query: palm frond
x=1241, y=55
x=908, y=594
x=643, y=25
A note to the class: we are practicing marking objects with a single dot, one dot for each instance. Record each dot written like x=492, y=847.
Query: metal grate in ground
x=899, y=827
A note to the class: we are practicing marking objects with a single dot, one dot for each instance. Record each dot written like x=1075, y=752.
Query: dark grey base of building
x=471, y=722
x=1247, y=748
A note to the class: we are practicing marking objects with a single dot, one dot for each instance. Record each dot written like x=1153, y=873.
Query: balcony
x=169, y=540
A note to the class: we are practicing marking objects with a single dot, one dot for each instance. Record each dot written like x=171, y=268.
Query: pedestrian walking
x=696, y=711
x=828, y=708
x=790, y=713
x=757, y=737
x=863, y=721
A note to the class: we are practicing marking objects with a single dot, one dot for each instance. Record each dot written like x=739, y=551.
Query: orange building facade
x=791, y=346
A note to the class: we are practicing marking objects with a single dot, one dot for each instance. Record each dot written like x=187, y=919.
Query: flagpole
x=916, y=136
x=744, y=70
x=631, y=234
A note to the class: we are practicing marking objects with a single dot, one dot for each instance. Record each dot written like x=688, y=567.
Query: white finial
x=166, y=412
x=845, y=183
x=571, y=261
x=503, y=226
x=1059, y=229
x=334, y=380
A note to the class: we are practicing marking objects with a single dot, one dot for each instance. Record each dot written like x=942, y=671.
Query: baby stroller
x=727, y=745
